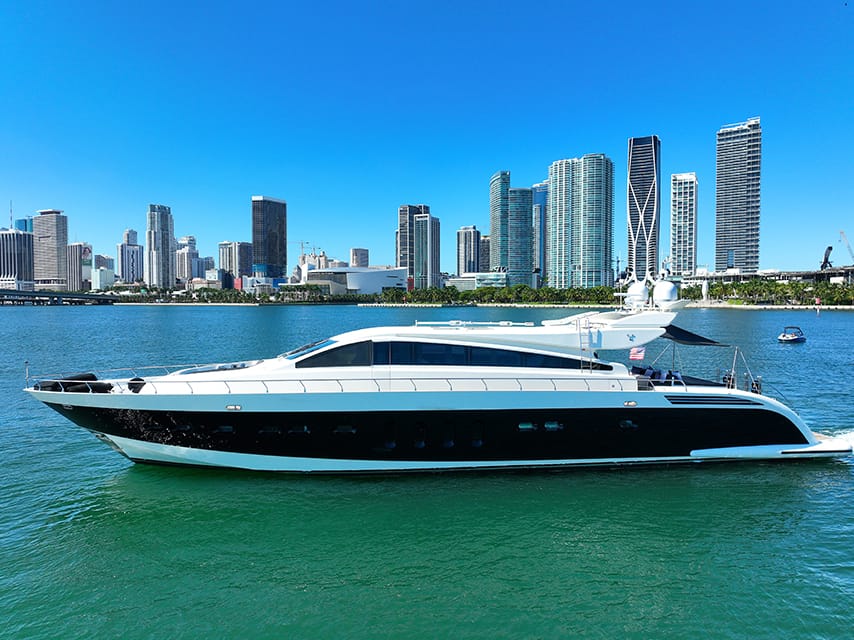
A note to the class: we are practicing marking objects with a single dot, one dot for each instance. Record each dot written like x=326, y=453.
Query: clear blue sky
x=349, y=109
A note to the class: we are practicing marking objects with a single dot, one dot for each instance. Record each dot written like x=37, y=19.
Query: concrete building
x=50, y=243
x=737, y=196
x=79, y=267
x=130, y=258
x=472, y=281
x=17, y=260
x=160, y=246
x=405, y=235
x=359, y=257
x=235, y=258
x=468, y=249
x=683, y=224
x=102, y=279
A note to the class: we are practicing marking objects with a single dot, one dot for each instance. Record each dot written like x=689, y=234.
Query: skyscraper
x=499, y=214
x=739, y=159
x=130, y=258
x=425, y=240
x=269, y=237
x=159, y=269
x=79, y=267
x=359, y=257
x=643, y=206
x=50, y=244
x=540, y=193
x=520, y=246
x=683, y=223
x=404, y=237
x=17, y=260
x=483, y=261
x=579, y=222
x=468, y=250
x=236, y=258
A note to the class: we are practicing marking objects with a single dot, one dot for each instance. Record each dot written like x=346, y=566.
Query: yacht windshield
x=306, y=348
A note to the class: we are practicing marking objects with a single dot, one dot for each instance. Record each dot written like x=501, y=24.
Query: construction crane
x=847, y=244
x=825, y=264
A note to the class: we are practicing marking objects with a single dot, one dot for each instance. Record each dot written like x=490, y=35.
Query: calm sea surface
x=92, y=545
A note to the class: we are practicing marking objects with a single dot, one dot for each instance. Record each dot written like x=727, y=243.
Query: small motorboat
x=792, y=334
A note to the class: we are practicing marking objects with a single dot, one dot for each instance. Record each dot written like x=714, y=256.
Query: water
x=94, y=546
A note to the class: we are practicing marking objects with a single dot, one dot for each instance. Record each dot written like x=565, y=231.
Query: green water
x=94, y=546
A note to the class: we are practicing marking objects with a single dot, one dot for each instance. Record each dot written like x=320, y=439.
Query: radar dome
x=664, y=293
x=637, y=294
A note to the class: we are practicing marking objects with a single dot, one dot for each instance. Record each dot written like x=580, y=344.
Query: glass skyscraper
x=643, y=206
x=405, y=236
x=540, y=193
x=739, y=160
x=683, y=224
x=269, y=237
x=425, y=251
x=520, y=261
x=579, y=222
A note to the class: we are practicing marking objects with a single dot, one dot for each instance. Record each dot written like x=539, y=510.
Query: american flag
x=637, y=353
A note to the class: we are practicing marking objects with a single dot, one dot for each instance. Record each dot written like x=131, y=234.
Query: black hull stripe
x=448, y=436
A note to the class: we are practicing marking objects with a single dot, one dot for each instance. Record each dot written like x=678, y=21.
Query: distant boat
x=792, y=334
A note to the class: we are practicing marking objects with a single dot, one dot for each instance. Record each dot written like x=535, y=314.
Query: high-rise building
x=483, y=260
x=405, y=235
x=520, y=246
x=24, y=224
x=643, y=206
x=739, y=160
x=359, y=257
x=103, y=261
x=468, y=250
x=269, y=237
x=130, y=258
x=683, y=224
x=160, y=245
x=499, y=214
x=187, y=264
x=17, y=260
x=235, y=258
x=579, y=222
x=50, y=243
x=540, y=193
x=425, y=240
x=79, y=267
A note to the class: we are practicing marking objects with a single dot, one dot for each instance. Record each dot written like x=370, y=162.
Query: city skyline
x=103, y=147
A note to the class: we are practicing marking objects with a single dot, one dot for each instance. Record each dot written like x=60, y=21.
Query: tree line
x=755, y=291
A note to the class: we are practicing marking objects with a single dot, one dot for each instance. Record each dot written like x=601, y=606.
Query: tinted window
x=447, y=354
x=349, y=355
x=485, y=357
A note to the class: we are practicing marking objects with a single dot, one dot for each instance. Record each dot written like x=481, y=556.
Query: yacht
x=440, y=396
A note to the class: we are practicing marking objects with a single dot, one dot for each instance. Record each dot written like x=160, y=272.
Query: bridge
x=13, y=296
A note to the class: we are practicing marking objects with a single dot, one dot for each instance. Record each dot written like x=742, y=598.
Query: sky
x=347, y=110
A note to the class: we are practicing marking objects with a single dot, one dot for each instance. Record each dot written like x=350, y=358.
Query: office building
x=468, y=250
x=405, y=235
x=683, y=224
x=579, y=222
x=17, y=260
x=643, y=207
x=130, y=258
x=737, y=196
x=269, y=237
x=50, y=244
x=359, y=257
x=24, y=224
x=159, y=269
x=103, y=261
x=102, y=278
x=235, y=258
x=79, y=267
x=425, y=250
